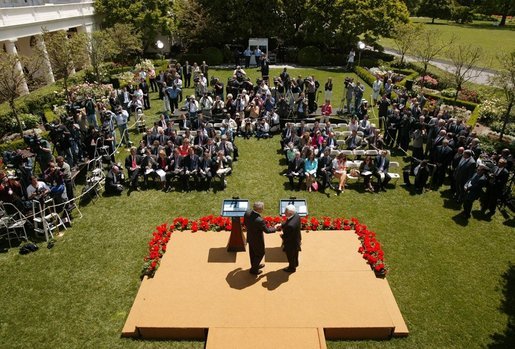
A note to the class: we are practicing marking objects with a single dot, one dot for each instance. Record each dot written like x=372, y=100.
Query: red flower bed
x=370, y=247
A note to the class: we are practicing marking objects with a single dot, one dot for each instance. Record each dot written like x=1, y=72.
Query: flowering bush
x=427, y=81
x=370, y=247
x=127, y=78
x=468, y=95
x=456, y=112
x=449, y=92
x=97, y=91
x=145, y=64
x=491, y=110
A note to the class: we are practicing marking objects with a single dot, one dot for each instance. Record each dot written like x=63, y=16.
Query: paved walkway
x=480, y=76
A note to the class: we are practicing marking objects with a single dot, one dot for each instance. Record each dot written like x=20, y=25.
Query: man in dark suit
x=256, y=226
x=353, y=141
x=145, y=89
x=133, y=166
x=325, y=169
x=495, y=188
x=473, y=188
x=383, y=164
x=291, y=238
x=113, y=184
x=186, y=71
x=191, y=166
x=442, y=157
x=463, y=172
x=296, y=169
x=205, y=169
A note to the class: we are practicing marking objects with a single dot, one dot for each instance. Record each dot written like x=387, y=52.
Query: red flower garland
x=370, y=247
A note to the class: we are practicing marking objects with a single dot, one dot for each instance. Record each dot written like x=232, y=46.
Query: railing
x=25, y=3
x=48, y=11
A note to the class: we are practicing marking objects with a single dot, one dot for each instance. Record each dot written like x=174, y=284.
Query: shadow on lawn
x=507, y=338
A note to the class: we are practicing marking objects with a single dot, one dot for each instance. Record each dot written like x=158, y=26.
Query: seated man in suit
x=205, y=170
x=133, y=166
x=222, y=167
x=114, y=180
x=296, y=169
x=175, y=166
x=383, y=164
x=353, y=141
x=190, y=168
x=325, y=166
x=227, y=147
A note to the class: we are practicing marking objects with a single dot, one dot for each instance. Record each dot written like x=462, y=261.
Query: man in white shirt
x=121, y=116
x=37, y=188
x=206, y=105
x=376, y=89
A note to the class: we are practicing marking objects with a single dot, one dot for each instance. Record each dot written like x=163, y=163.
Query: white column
x=10, y=47
x=47, y=66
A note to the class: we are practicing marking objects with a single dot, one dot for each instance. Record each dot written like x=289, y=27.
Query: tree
x=12, y=78
x=504, y=8
x=505, y=80
x=404, y=35
x=464, y=59
x=151, y=17
x=370, y=19
x=65, y=53
x=126, y=40
x=190, y=22
x=435, y=9
x=429, y=45
x=101, y=47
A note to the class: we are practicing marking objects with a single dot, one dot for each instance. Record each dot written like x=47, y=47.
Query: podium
x=235, y=208
x=300, y=204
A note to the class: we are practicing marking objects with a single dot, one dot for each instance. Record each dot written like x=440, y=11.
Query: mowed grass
x=447, y=277
x=491, y=39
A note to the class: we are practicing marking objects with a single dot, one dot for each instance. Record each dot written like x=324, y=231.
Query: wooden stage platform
x=201, y=291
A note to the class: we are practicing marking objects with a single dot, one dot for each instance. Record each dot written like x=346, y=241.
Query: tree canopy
x=325, y=23
x=150, y=17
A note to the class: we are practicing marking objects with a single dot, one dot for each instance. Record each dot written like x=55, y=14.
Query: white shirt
x=121, y=117
x=40, y=187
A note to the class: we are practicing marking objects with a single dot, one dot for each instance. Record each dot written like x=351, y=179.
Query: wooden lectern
x=235, y=208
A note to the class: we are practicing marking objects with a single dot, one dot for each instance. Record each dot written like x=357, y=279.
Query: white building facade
x=22, y=21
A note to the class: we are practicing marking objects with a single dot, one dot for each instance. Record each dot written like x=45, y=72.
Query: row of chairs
x=356, y=152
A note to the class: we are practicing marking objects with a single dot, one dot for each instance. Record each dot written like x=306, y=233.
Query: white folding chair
x=14, y=223
x=347, y=152
x=394, y=175
x=371, y=152
x=335, y=153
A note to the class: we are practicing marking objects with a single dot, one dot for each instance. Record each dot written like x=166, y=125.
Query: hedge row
x=365, y=75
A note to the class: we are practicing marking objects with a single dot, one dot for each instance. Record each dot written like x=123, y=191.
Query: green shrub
x=473, y=117
x=29, y=121
x=212, y=56
x=191, y=58
x=291, y=55
x=16, y=144
x=310, y=56
x=497, y=127
x=334, y=59
x=365, y=75
x=449, y=92
x=450, y=101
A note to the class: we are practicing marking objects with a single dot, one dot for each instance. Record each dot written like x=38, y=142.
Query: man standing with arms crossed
x=256, y=226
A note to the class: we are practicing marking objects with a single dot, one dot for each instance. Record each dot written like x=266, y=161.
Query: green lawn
x=447, y=277
x=483, y=34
